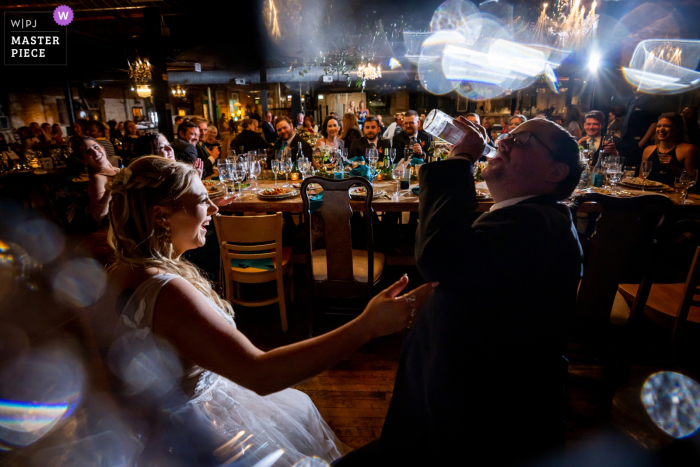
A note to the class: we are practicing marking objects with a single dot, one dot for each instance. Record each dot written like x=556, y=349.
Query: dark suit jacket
x=401, y=140
x=250, y=140
x=203, y=153
x=594, y=157
x=305, y=147
x=269, y=132
x=184, y=151
x=360, y=145
x=481, y=369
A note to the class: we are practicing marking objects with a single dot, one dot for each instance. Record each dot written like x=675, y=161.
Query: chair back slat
x=689, y=291
x=625, y=234
x=236, y=233
x=337, y=212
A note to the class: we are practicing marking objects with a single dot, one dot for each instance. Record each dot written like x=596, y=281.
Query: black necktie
x=371, y=145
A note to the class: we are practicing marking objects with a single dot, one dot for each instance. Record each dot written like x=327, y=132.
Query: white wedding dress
x=241, y=421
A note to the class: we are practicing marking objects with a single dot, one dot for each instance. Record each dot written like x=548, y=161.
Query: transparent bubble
x=672, y=400
x=664, y=66
x=42, y=239
x=501, y=12
x=36, y=392
x=413, y=42
x=430, y=69
x=270, y=459
x=451, y=15
x=80, y=282
x=311, y=462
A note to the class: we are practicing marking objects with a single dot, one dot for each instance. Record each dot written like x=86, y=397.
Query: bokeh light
x=36, y=392
x=664, y=66
x=672, y=400
x=79, y=282
x=311, y=462
x=42, y=239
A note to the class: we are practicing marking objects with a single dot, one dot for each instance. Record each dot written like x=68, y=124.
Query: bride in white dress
x=167, y=313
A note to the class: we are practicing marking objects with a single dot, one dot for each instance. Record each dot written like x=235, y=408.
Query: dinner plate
x=649, y=185
x=356, y=194
x=287, y=194
x=214, y=191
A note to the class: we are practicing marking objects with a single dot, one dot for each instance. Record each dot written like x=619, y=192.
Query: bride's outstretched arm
x=184, y=318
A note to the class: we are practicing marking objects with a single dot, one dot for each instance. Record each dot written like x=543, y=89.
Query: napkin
x=416, y=161
x=360, y=171
x=415, y=190
x=264, y=263
x=315, y=202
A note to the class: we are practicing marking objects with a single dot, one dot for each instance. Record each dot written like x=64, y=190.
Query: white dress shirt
x=510, y=202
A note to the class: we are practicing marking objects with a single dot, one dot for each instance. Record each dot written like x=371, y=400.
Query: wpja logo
x=37, y=38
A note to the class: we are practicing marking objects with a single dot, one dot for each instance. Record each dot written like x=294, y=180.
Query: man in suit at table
x=481, y=371
x=593, y=141
x=370, y=140
x=184, y=144
x=411, y=137
x=289, y=139
x=268, y=130
x=208, y=157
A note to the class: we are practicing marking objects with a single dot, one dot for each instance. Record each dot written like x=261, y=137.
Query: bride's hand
x=388, y=312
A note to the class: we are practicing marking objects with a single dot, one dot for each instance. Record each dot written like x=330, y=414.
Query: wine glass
x=224, y=175
x=304, y=165
x=397, y=171
x=688, y=179
x=615, y=174
x=372, y=156
x=286, y=166
x=238, y=173
x=255, y=170
x=275, y=163
x=608, y=162
x=644, y=171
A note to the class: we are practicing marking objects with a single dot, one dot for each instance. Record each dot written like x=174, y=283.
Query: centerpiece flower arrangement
x=310, y=137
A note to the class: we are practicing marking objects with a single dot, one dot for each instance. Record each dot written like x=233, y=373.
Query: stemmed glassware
x=644, y=171
x=286, y=166
x=614, y=171
x=372, y=156
x=275, y=163
x=238, y=171
x=687, y=180
x=397, y=171
x=304, y=166
x=255, y=170
x=224, y=167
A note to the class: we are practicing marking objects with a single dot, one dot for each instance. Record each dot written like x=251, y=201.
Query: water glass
x=275, y=163
x=644, y=171
x=687, y=180
x=397, y=172
x=255, y=170
x=238, y=172
x=304, y=167
x=286, y=167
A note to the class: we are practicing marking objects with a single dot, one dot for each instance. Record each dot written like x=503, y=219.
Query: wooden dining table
x=405, y=201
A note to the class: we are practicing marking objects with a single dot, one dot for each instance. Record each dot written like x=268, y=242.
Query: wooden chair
x=254, y=238
x=671, y=305
x=339, y=271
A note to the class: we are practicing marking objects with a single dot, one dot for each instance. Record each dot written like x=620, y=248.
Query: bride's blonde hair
x=135, y=236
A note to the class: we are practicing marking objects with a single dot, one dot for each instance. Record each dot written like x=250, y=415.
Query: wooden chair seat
x=663, y=303
x=359, y=265
x=286, y=257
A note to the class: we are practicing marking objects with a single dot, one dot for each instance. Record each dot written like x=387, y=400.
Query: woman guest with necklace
x=330, y=131
x=671, y=153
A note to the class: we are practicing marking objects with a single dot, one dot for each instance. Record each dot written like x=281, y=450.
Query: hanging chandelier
x=369, y=71
x=179, y=92
x=143, y=91
x=140, y=71
x=569, y=25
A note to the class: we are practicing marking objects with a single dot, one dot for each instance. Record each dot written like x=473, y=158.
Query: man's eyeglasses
x=522, y=137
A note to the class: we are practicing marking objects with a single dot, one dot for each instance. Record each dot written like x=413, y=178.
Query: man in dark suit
x=208, y=157
x=411, y=137
x=249, y=138
x=268, y=130
x=289, y=139
x=184, y=144
x=593, y=141
x=481, y=373
x=370, y=140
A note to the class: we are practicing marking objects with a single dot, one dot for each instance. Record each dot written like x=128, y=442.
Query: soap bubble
x=672, y=400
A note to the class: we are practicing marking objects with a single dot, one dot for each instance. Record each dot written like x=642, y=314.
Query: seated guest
x=178, y=120
x=505, y=119
x=513, y=123
x=211, y=142
x=310, y=124
x=410, y=137
x=671, y=153
x=330, y=131
x=153, y=144
x=615, y=118
x=80, y=128
x=268, y=129
x=163, y=302
x=350, y=130
x=692, y=129
x=593, y=141
x=481, y=371
x=131, y=133
x=488, y=124
x=300, y=120
x=290, y=140
x=473, y=117
x=249, y=137
x=382, y=128
x=571, y=120
x=394, y=128
x=208, y=157
x=57, y=134
x=184, y=144
x=96, y=130
x=370, y=140
x=101, y=172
